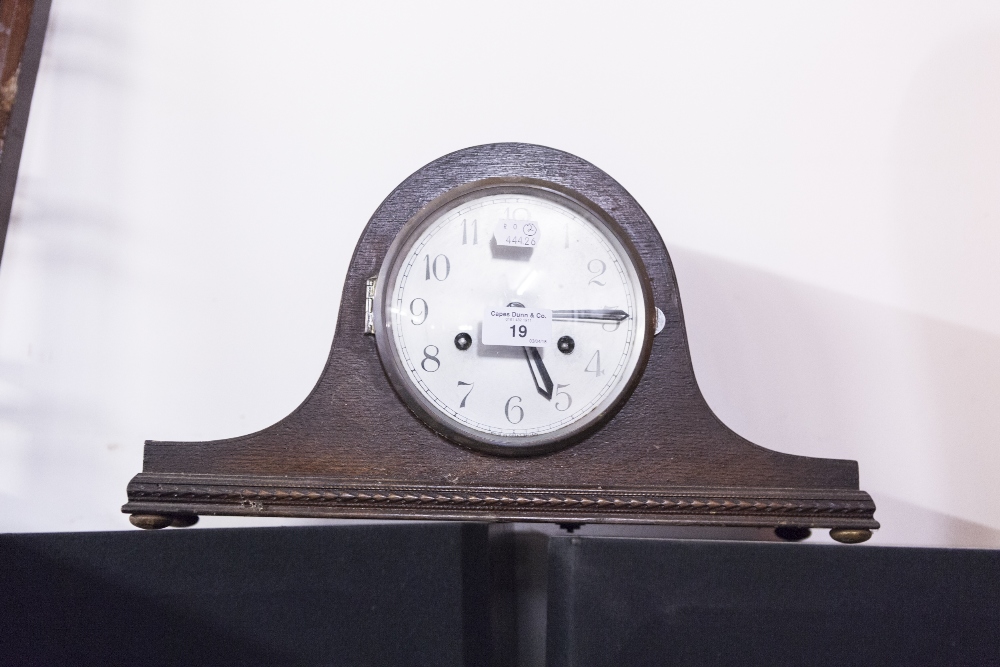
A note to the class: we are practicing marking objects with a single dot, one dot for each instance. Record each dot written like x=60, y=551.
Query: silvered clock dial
x=512, y=318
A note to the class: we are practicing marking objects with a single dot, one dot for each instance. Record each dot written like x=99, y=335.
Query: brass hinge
x=370, y=305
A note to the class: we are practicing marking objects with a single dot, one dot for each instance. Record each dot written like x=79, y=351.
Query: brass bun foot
x=792, y=533
x=157, y=521
x=150, y=521
x=183, y=520
x=851, y=535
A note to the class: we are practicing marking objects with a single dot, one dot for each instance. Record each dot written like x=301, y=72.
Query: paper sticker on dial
x=516, y=233
x=517, y=327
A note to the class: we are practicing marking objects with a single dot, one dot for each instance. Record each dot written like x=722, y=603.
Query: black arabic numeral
x=508, y=408
x=431, y=356
x=471, y=386
x=597, y=267
x=434, y=268
x=475, y=232
x=424, y=310
x=569, y=399
x=595, y=361
x=614, y=325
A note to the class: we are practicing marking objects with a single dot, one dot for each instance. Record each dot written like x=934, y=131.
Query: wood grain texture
x=354, y=433
x=22, y=31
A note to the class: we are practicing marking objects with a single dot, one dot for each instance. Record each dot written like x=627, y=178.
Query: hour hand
x=601, y=315
x=540, y=374
x=543, y=383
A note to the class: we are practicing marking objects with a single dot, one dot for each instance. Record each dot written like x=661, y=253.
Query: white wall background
x=825, y=175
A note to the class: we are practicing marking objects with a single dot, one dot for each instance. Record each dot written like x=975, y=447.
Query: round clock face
x=512, y=319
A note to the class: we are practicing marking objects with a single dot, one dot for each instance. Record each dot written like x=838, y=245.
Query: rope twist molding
x=417, y=496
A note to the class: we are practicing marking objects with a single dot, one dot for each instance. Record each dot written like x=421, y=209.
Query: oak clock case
x=382, y=437
x=467, y=256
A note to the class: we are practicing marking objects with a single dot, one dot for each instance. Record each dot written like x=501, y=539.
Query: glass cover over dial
x=511, y=319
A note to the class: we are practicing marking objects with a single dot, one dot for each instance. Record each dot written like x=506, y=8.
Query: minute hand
x=606, y=315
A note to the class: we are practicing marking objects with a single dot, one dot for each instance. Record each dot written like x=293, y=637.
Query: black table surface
x=673, y=602
x=402, y=594
x=471, y=594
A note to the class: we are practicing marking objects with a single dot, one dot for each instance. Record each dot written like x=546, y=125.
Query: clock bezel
x=421, y=407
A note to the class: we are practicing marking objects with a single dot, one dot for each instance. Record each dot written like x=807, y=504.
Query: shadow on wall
x=946, y=169
x=914, y=398
x=807, y=371
x=907, y=524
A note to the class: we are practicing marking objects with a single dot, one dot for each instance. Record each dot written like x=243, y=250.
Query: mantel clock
x=510, y=347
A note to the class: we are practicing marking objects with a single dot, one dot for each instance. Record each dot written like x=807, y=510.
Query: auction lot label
x=518, y=327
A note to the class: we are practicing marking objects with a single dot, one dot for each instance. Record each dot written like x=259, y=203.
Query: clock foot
x=183, y=520
x=158, y=521
x=570, y=527
x=851, y=535
x=792, y=533
x=150, y=521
